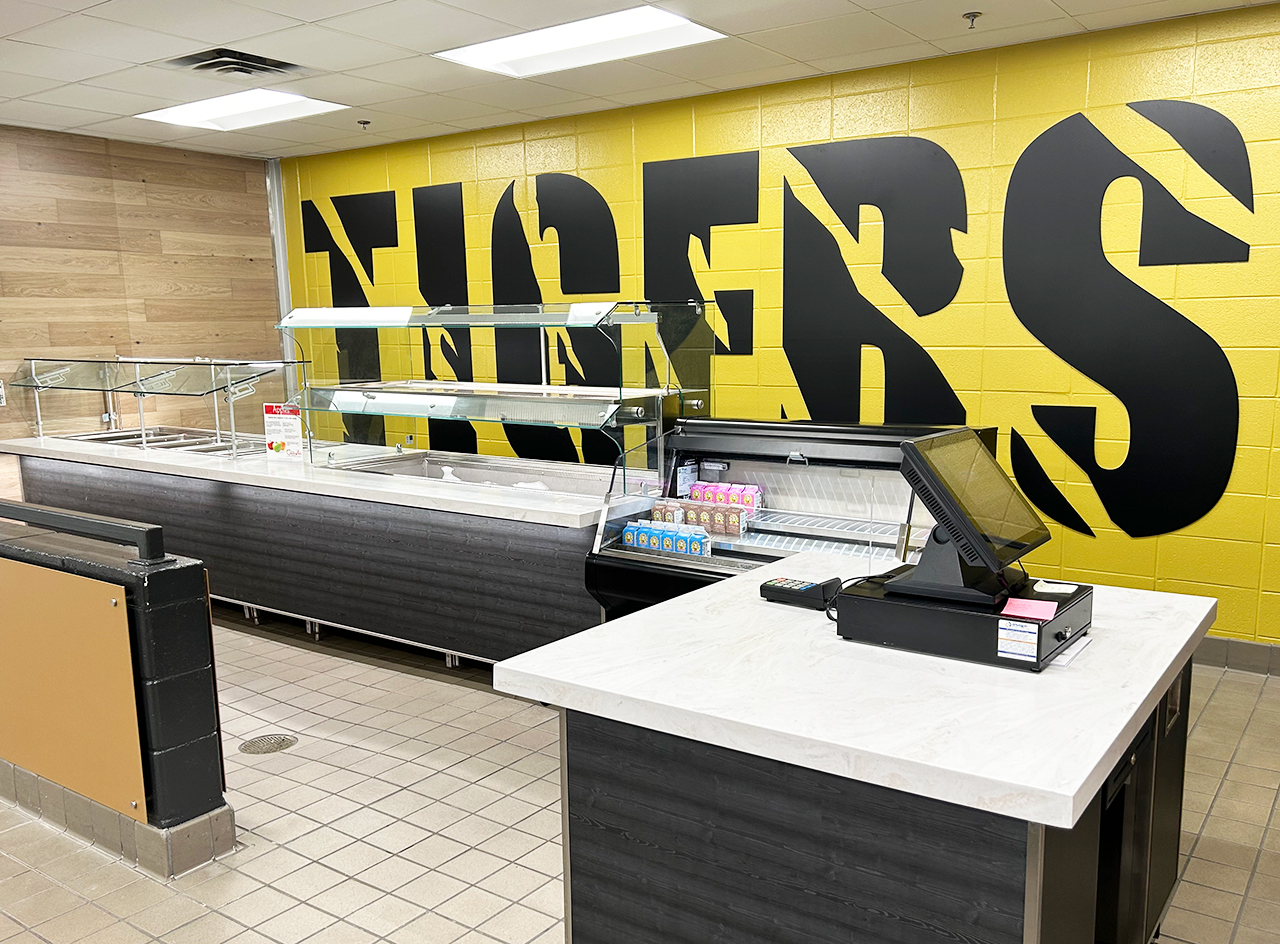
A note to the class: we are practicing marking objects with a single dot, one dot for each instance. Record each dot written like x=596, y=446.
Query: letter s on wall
x=1172, y=377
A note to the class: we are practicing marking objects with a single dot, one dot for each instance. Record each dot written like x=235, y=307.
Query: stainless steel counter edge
x=563, y=511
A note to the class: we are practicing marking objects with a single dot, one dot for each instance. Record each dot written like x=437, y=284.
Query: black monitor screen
x=997, y=514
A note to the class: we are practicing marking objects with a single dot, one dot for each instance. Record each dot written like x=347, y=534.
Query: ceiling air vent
x=230, y=62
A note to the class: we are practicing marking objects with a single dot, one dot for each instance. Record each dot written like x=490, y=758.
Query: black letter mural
x=441, y=242
x=519, y=351
x=826, y=320
x=369, y=220
x=589, y=265
x=1172, y=377
x=684, y=198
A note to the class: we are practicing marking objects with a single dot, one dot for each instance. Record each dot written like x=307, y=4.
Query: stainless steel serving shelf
x=533, y=404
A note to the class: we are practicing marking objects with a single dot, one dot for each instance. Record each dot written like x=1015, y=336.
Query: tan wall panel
x=67, y=705
x=111, y=248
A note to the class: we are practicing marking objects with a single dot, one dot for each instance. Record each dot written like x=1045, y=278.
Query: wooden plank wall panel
x=111, y=248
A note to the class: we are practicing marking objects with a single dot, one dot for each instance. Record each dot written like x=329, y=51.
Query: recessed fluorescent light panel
x=242, y=110
x=583, y=43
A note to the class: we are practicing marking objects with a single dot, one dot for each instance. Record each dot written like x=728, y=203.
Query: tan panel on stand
x=67, y=705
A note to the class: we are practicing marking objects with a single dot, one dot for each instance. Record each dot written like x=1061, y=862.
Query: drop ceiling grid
x=89, y=65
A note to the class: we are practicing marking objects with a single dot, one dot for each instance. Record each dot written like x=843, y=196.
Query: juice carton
x=751, y=496
x=668, y=539
x=699, y=546
x=682, y=539
x=696, y=491
x=735, y=521
x=643, y=529
x=629, y=533
x=704, y=516
x=718, y=515
x=720, y=495
x=735, y=494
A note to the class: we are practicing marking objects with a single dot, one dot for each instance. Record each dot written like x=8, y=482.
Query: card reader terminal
x=806, y=593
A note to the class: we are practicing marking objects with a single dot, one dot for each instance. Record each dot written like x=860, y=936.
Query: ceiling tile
x=310, y=10
x=178, y=84
x=22, y=111
x=428, y=74
x=1142, y=12
x=358, y=140
x=16, y=86
x=318, y=48
x=92, y=35
x=577, y=107
x=421, y=25
x=930, y=20
x=837, y=36
x=66, y=6
x=746, y=16
x=344, y=89
x=68, y=66
x=305, y=132
x=380, y=122
x=782, y=73
x=491, y=121
x=662, y=93
x=877, y=57
x=438, y=108
x=608, y=78
x=720, y=57
x=241, y=142
x=110, y=101
x=516, y=94
x=138, y=129
x=19, y=16
x=968, y=41
x=212, y=22
x=528, y=15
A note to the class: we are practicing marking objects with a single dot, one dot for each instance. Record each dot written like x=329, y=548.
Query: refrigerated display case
x=824, y=487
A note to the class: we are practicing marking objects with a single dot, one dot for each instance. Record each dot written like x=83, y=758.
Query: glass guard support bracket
x=217, y=418
x=142, y=419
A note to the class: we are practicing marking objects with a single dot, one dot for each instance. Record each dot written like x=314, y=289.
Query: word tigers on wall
x=1172, y=378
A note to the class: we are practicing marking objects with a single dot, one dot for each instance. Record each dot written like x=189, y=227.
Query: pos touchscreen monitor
x=983, y=520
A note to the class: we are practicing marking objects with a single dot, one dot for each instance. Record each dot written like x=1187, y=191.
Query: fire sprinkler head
x=971, y=17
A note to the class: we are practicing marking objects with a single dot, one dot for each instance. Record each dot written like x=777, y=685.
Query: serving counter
x=436, y=557
x=734, y=770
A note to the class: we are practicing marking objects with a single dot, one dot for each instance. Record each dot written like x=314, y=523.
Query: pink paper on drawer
x=1030, y=609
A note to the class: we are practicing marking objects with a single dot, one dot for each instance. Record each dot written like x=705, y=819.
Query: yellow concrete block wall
x=984, y=109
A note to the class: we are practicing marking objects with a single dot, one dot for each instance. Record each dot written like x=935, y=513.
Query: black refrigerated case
x=825, y=487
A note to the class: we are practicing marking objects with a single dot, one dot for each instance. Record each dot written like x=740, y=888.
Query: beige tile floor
x=419, y=807
x=1230, y=887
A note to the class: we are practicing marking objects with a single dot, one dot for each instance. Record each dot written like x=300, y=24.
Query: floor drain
x=268, y=744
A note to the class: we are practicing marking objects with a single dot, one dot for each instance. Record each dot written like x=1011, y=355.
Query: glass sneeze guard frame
x=585, y=407
x=143, y=377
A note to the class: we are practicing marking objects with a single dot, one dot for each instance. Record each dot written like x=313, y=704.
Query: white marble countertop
x=722, y=666
x=513, y=504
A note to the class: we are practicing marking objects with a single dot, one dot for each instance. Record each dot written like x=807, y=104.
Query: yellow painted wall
x=983, y=108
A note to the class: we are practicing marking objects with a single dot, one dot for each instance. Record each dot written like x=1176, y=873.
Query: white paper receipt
x=1045, y=586
x=1018, y=640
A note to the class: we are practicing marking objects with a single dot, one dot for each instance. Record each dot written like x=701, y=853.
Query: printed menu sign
x=282, y=425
